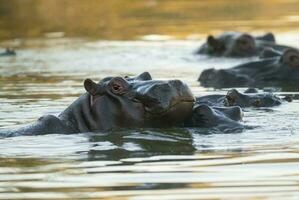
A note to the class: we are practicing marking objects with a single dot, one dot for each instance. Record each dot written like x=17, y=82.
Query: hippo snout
x=160, y=97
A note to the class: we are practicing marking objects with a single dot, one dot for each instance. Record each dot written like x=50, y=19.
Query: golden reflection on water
x=129, y=19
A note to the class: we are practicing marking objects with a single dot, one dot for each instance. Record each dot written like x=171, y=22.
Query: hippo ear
x=145, y=76
x=91, y=87
x=212, y=41
x=268, y=37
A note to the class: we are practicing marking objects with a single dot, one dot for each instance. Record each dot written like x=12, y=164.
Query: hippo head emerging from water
x=277, y=69
x=235, y=44
x=249, y=98
x=225, y=119
x=117, y=102
x=8, y=52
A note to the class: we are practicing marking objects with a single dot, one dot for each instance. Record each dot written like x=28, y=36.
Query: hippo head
x=222, y=78
x=230, y=44
x=235, y=98
x=9, y=50
x=241, y=45
x=283, y=70
x=275, y=70
x=223, y=118
x=117, y=102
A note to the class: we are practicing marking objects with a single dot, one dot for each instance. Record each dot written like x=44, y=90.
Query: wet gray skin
x=279, y=70
x=118, y=102
x=237, y=44
x=8, y=52
x=225, y=119
x=250, y=98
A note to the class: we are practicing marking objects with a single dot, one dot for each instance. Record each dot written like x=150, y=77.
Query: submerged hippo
x=225, y=119
x=250, y=98
x=8, y=52
x=237, y=44
x=276, y=69
x=117, y=102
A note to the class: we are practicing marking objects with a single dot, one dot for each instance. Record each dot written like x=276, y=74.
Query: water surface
x=55, y=55
x=135, y=164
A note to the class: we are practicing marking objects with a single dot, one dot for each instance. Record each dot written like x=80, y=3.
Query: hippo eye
x=230, y=100
x=291, y=58
x=257, y=103
x=118, y=86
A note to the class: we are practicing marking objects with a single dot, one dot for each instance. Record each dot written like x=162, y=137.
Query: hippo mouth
x=173, y=115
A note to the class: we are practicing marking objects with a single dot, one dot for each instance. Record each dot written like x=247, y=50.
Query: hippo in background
x=238, y=44
x=249, y=98
x=274, y=69
x=116, y=103
x=224, y=112
x=8, y=52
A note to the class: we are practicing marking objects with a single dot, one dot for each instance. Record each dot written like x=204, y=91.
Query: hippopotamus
x=139, y=102
x=249, y=98
x=274, y=69
x=224, y=119
x=238, y=44
x=117, y=102
x=8, y=52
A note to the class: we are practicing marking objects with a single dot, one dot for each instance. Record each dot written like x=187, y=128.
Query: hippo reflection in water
x=237, y=44
x=275, y=69
x=117, y=102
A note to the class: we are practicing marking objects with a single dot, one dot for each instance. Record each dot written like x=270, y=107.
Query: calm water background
x=60, y=43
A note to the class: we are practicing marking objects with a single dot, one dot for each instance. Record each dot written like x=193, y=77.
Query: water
x=47, y=75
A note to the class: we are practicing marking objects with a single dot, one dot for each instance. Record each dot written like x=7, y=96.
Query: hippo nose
x=183, y=91
x=156, y=97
